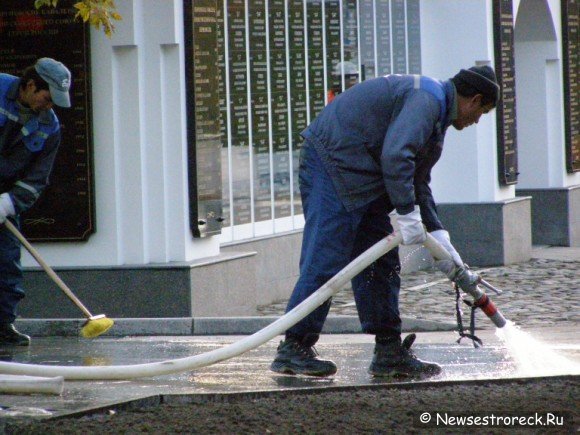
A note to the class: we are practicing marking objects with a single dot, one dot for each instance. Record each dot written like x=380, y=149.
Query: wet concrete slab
x=250, y=372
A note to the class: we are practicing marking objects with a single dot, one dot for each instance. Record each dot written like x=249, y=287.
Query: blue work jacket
x=384, y=135
x=27, y=151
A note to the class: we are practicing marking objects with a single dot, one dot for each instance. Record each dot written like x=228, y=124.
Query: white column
x=458, y=34
x=540, y=103
x=140, y=147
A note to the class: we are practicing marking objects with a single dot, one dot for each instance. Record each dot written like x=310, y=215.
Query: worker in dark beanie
x=478, y=79
x=29, y=140
x=370, y=152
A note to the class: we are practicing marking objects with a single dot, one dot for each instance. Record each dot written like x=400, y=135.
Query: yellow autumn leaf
x=98, y=13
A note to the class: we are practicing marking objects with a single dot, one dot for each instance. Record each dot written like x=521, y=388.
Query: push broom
x=95, y=325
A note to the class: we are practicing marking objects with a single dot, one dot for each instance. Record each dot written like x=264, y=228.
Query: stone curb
x=206, y=326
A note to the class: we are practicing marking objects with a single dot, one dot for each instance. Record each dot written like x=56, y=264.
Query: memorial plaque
x=65, y=211
x=280, y=127
x=262, y=186
x=350, y=68
x=571, y=66
x=314, y=29
x=297, y=46
x=367, y=39
x=334, y=81
x=203, y=115
x=259, y=110
x=297, y=205
x=224, y=120
x=238, y=105
x=414, y=36
x=275, y=63
x=383, y=37
x=399, y=37
x=506, y=110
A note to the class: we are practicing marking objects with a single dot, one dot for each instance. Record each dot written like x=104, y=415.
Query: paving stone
x=535, y=292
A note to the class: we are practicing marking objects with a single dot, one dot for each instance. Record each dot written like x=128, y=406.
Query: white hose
x=205, y=359
x=10, y=384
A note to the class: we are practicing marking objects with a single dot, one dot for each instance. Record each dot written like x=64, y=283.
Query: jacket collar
x=451, y=95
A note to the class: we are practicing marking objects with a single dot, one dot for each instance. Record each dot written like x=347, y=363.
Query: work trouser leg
x=11, y=278
x=376, y=289
x=326, y=245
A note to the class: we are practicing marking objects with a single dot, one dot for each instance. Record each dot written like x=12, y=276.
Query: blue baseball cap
x=58, y=78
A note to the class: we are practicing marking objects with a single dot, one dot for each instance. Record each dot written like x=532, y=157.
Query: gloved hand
x=411, y=227
x=442, y=236
x=6, y=207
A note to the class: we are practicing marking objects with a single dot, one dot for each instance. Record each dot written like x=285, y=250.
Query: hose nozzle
x=468, y=282
x=491, y=311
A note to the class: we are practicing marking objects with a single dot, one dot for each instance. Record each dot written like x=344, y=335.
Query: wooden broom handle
x=47, y=268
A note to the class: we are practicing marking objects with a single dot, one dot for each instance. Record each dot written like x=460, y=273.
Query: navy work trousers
x=11, y=278
x=332, y=238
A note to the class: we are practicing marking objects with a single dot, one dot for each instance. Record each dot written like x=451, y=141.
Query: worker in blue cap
x=30, y=135
x=368, y=153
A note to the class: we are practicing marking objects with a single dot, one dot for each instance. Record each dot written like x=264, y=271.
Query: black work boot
x=294, y=357
x=395, y=359
x=9, y=336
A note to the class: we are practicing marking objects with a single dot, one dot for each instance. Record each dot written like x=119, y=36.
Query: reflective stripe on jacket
x=27, y=151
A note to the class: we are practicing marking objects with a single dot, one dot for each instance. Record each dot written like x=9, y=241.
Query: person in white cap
x=30, y=135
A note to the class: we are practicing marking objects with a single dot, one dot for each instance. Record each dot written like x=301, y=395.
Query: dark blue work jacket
x=384, y=135
x=27, y=151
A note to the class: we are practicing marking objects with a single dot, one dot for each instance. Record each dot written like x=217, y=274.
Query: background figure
x=29, y=140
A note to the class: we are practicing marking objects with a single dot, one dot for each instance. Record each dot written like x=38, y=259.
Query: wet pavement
x=250, y=372
x=542, y=296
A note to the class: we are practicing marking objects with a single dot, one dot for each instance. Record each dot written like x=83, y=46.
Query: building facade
x=195, y=112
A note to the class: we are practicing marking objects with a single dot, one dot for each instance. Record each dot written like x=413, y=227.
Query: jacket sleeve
x=427, y=205
x=26, y=190
x=407, y=133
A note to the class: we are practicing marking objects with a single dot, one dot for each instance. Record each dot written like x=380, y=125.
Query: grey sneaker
x=296, y=358
x=9, y=336
x=395, y=359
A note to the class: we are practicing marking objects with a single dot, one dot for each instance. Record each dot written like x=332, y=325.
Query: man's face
x=469, y=110
x=37, y=100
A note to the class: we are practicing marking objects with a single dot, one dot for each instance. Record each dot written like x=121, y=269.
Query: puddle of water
x=24, y=411
x=533, y=357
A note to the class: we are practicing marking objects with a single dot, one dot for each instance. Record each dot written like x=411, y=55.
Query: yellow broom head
x=96, y=326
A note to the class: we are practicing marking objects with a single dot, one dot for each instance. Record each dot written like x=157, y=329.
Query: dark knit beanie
x=481, y=78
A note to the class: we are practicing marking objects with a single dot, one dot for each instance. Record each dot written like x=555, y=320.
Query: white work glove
x=6, y=207
x=411, y=227
x=455, y=270
x=452, y=266
x=442, y=236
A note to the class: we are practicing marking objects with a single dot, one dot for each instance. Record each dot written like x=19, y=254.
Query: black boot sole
x=287, y=369
x=396, y=374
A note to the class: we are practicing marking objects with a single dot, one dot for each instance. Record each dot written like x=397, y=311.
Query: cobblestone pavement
x=538, y=292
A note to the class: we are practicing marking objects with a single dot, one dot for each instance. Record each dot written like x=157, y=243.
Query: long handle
x=47, y=268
